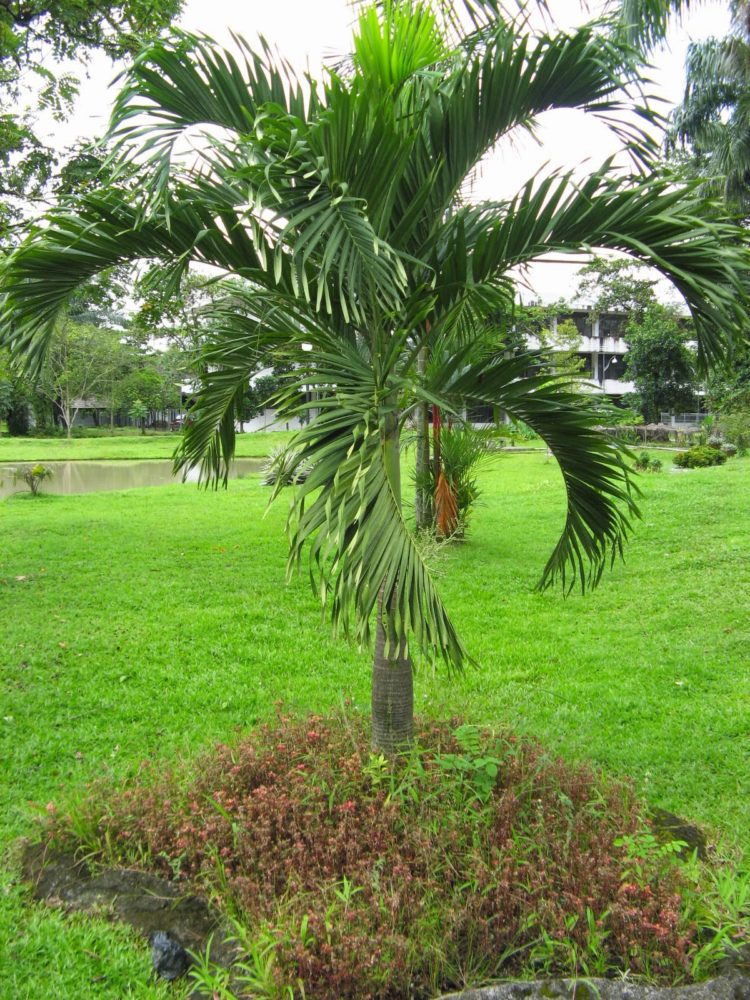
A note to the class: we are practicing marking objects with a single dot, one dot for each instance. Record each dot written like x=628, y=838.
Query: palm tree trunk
x=392, y=679
x=437, y=426
x=422, y=499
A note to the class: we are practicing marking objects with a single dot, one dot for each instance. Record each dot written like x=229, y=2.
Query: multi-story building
x=602, y=349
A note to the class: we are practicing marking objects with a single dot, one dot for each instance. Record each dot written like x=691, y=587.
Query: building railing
x=683, y=419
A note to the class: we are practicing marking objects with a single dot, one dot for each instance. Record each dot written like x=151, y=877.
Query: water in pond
x=88, y=477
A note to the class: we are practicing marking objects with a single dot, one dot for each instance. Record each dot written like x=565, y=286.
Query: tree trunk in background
x=392, y=678
x=422, y=499
x=437, y=424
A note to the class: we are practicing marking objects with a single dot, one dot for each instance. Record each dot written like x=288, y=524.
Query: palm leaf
x=674, y=229
x=598, y=484
x=348, y=516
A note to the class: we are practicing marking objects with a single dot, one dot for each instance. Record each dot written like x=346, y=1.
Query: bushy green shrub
x=700, y=457
x=736, y=429
x=517, y=429
x=644, y=463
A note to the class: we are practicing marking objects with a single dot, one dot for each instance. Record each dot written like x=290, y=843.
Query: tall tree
x=338, y=203
x=713, y=121
x=153, y=382
x=660, y=363
x=616, y=285
x=34, y=37
x=80, y=365
x=709, y=133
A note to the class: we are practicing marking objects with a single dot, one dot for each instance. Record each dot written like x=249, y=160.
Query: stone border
x=733, y=986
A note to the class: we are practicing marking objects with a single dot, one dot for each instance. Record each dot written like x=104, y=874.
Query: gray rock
x=730, y=987
x=668, y=827
x=169, y=957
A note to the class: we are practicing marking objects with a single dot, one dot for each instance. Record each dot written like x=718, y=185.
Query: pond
x=90, y=477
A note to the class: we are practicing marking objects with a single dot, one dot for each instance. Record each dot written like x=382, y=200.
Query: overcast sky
x=307, y=32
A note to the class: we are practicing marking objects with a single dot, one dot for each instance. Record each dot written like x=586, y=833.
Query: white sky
x=309, y=31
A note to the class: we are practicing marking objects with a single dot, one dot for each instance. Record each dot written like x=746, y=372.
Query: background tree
x=34, y=36
x=138, y=412
x=79, y=366
x=557, y=337
x=17, y=398
x=338, y=204
x=712, y=123
x=176, y=312
x=728, y=387
x=616, y=285
x=660, y=363
x=153, y=385
x=6, y=386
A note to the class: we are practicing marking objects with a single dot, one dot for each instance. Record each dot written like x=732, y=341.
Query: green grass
x=153, y=622
x=28, y=449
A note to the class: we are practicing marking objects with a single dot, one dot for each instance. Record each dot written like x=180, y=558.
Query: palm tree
x=339, y=204
x=712, y=123
x=713, y=120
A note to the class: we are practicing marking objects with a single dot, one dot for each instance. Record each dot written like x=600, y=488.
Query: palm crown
x=339, y=203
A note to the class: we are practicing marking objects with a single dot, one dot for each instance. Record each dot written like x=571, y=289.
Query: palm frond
x=645, y=22
x=598, y=484
x=511, y=80
x=359, y=545
x=674, y=229
x=251, y=328
x=187, y=80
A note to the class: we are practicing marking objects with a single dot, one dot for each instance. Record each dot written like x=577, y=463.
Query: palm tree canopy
x=339, y=203
x=713, y=120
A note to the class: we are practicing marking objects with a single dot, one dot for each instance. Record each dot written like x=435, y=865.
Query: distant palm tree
x=713, y=120
x=339, y=203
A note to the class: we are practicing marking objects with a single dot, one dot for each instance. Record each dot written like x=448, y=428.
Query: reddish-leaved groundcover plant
x=474, y=855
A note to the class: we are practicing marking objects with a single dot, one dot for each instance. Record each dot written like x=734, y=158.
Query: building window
x=611, y=325
x=582, y=322
x=611, y=366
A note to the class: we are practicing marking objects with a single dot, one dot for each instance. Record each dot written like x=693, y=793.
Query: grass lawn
x=28, y=449
x=153, y=622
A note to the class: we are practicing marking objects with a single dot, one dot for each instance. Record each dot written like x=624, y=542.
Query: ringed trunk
x=392, y=677
x=392, y=690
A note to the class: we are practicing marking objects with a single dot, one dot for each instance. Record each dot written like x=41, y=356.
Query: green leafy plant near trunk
x=339, y=205
x=462, y=452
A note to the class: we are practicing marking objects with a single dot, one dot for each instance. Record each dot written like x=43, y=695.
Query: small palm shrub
x=644, y=463
x=700, y=457
x=472, y=856
x=33, y=476
x=284, y=467
x=462, y=450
